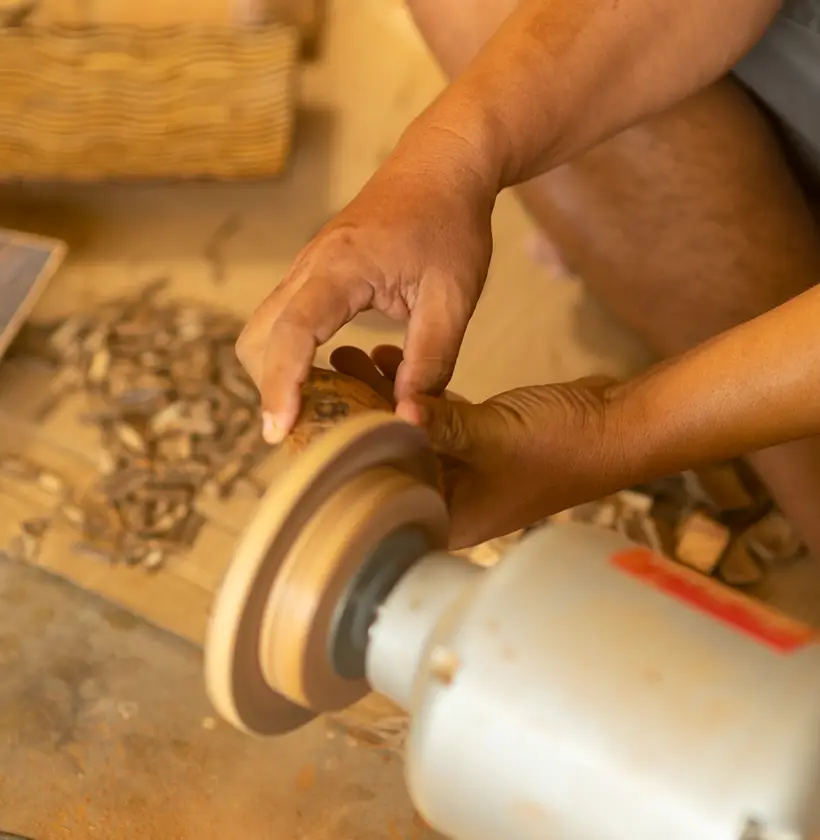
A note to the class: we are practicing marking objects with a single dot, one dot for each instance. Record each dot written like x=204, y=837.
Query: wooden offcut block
x=701, y=542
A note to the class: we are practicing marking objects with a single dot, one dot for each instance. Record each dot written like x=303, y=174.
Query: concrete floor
x=105, y=731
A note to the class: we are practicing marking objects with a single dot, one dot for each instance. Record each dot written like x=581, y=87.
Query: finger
x=250, y=347
x=252, y=344
x=448, y=424
x=433, y=340
x=354, y=362
x=317, y=310
x=282, y=380
x=387, y=358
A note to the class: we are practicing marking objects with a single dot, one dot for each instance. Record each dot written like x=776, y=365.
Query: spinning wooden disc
x=271, y=664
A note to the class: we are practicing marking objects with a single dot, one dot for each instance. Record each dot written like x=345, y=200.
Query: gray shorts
x=783, y=72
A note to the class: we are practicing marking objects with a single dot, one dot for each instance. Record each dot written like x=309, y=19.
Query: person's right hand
x=415, y=244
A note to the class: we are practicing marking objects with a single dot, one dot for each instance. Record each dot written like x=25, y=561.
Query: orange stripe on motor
x=759, y=622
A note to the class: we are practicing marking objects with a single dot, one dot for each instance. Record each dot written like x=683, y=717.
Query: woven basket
x=127, y=103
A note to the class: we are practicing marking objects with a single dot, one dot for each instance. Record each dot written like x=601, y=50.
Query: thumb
x=433, y=340
x=448, y=424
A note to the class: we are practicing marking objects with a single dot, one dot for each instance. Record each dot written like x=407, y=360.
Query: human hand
x=415, y=244
x=515, y=458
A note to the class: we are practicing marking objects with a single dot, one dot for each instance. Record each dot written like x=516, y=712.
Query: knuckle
x=456, y=429
x=342, y=241
x=341, y=235
x=242, y=345
x=452, y=432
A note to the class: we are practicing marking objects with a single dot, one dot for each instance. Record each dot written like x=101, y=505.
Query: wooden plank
x=206, y=563
x=163, y=598
x=176, y=598
x=64, y=424
x=23, y=388
x=233, y=513
x=24, y=440
x=13, y=511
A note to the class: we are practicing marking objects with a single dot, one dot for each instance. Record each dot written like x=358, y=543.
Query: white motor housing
x=587, y=689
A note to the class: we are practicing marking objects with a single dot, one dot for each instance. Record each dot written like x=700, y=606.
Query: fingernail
x=271, y=430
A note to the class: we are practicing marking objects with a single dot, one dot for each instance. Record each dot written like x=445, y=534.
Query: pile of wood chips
x=176, y=413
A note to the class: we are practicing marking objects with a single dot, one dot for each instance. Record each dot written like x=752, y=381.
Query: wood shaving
x=74, y=515
x=51, y=483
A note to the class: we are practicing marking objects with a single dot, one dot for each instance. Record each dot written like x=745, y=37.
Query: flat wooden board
x=177, y=597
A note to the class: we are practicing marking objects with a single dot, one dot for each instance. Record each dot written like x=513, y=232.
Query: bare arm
x=523, y=455
x=562, y=75
x=755, y=386
x=415, y=244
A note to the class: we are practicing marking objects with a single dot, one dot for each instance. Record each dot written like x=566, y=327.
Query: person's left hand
x=515, y=458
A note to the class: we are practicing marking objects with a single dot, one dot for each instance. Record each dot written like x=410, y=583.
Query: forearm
x=560, y=76
x=753, y=387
